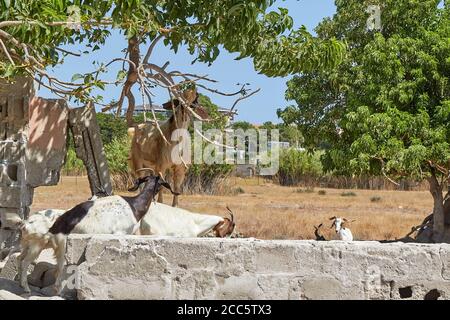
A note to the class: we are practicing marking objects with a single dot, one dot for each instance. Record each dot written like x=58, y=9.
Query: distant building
x=160, y=110
x=279, y=144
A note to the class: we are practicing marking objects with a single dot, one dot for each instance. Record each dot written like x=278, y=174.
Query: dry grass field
x=268, y=211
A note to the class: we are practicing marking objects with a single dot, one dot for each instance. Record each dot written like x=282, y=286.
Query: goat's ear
x=332, y=218
x=202, y=112
x=135, y=187
x=167, y=185
x=168, y=105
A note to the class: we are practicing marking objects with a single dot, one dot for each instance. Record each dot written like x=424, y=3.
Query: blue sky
x=227, y=71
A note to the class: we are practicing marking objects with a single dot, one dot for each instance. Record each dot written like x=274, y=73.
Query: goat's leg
x=32, y=252
x=20, y=258
x=177, y=178
x=60, y=251
x=160, y=196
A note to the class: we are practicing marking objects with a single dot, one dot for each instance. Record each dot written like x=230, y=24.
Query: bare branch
x=76, y=54
x=219, y=92
x=243, y=98
x=195, y=77
x=152, y=46
x=213, y=142
x=5, y=50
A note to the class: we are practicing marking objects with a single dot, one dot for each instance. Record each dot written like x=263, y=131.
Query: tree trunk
x=438, y=208
x=447, y=209
x=134, y=56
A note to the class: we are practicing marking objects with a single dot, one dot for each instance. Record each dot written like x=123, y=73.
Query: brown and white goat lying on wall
x=150, y=150
x=164, y=220
x=108, y=215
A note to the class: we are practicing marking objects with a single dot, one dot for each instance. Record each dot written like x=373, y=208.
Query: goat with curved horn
x=231, y=213
x=343, y=232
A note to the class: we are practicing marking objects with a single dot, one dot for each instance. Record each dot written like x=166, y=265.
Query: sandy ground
x=268, y=211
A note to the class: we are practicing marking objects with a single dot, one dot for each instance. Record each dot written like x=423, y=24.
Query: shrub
x=73, y=165
x=207, y=179
x=322, y=192
x=348, y=194
x=238, y=190
x=306, y=190
x=117, y=153
x=111, y=127
x=375, y=199
x=298, y=166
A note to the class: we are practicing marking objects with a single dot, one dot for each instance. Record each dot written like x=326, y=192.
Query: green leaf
x=77, y=76
x=121, y=75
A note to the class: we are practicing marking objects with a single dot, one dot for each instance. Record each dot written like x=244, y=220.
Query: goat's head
x=339, y=223
x=226, y=227
x=191, y=97
x=152, y=182
x=318, y=233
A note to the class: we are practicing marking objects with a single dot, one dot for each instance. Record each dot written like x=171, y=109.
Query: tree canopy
x=32, y=32
x=386, y=108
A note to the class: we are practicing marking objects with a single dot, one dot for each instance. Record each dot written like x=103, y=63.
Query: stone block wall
x=140, y=267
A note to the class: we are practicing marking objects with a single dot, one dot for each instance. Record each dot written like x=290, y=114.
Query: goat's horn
x=231, y=214
x=167, y=185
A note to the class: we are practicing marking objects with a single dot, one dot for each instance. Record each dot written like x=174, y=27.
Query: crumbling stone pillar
x=89, y=148
x=15, y=194
x=33, y=135
x=32, y=150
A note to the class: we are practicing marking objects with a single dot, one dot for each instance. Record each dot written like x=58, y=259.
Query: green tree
x=111, y=127
x=288, y=133
x=31, y=32
x=244, y=125
x=218, y=120
x=386, y=108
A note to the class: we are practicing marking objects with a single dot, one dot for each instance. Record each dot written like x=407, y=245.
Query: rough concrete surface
x=140, y=267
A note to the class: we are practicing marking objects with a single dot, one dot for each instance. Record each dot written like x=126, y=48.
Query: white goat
x=108, y=215
x=164, y=220
x=344, y=233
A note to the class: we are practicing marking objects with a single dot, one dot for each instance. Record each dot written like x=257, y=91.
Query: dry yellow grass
x=269, y=211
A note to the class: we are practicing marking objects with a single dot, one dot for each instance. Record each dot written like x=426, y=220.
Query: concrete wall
x=137, y=267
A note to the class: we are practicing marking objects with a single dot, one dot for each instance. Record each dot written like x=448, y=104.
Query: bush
x=238, y=190
x=375, y=199
x=111, y=127
x=298, y=167
x=322, y=192
x=207, y=179
x=73, y=165
x=306, y=190
x=117, y=153
x=348, y=194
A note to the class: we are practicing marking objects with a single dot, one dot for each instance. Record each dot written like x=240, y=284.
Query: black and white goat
x=108, y=215
x=318, y=233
